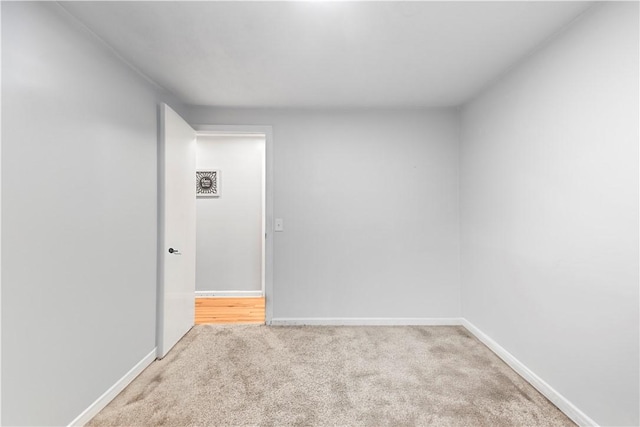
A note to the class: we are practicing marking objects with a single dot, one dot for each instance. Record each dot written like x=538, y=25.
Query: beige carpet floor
x=330, y=376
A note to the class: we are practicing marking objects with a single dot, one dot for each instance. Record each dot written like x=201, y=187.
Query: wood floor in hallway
x=230, y=310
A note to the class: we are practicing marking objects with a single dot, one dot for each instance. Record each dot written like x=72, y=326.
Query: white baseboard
x=115, y=389
x=362, y=321
x=549, y=392
x=229, y=294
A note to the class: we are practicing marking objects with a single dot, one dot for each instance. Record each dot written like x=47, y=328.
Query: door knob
x=173, y=251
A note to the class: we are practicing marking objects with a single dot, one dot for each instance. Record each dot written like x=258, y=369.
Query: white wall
x=370, y=207
x=79, y=182
x=549, y=213
x=549, y=202
x=230, y=233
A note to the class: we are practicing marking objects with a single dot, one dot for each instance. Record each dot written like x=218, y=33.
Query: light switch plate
x=279, y=224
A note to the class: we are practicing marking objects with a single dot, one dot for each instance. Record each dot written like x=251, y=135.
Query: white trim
x=230, y=130
x=0, y=227
x=113, y=391
x=543, y=387
x=267, y=131
x=368, y=321
x=229, y=294
x=160, y=170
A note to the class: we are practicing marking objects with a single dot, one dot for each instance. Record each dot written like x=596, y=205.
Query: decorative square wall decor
x=208, y=183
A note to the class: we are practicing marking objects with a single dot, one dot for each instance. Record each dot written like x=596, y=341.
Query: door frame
x=267, y=131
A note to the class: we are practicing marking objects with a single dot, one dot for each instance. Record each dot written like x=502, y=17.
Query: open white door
x=177, y=229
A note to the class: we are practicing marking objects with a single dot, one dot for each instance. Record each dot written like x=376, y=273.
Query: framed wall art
x=208, y=183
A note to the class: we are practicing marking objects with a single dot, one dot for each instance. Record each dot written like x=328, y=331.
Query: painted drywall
x=549, y=213
x=230, y=236
x=79, y=212
x=370, y=207
x=329, y=54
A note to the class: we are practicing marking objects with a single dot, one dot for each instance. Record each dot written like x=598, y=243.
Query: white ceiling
x=324, y=54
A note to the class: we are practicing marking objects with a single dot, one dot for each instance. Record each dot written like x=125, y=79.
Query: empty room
x=320, y=213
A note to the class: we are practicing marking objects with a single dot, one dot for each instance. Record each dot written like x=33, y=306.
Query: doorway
x=177, y=223
x=233, y=211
